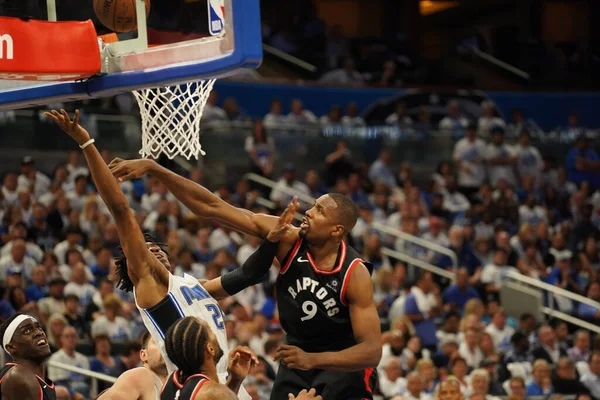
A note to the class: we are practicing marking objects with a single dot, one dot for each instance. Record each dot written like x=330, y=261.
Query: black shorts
x=331, y=385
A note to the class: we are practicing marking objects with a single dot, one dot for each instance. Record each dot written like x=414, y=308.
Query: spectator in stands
x=456, y=295
x=67, y=355
x=542, y=382
x=261, y=149
x=499, y=330
x=454, y=201
x=96, y=307
x=17, y=260
x=591, y=380
x=500, y=158
x=280, y=193
x=459, y=369
x=32, y=179
x=414, y=388
x=589, y=312
x=232, y=110
x=102, y=361
x=352, y=118
x=111, y=323
x=129, y=359
x=39, y=286
x=565, y=380
x=428, y=373
x=469, y=156
x=548, y=350
x=480, y=384
x=380, y=170
x=333, y=117
x=75, y=166
x=469, y=348
x=581, y=347
x=78, y=195
x=348, y=75
x=529, y=159
x=300, y=116
x=73, y=239
x=74, y=318
x=391, y=382
x=54, y=303
x=421, y=306
x=336, y=46
x=274, y=119
x=399, y=116
x=79, y=285
x=489, y=119
x=519, y=124
x=212, y=112
x=516, y=386
x=313, y=181
x=454, y=123
x=577, y=163
x=9, y=188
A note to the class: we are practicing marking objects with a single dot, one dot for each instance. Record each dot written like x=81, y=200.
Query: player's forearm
x=361, y=356
x=198, y=199
x=234, y=384
x=106, y=184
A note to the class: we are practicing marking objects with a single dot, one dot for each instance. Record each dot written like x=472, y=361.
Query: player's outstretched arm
x=365, y=325
x=140, y=261
x=256, y=268
x=130, y=386
x=195, y=197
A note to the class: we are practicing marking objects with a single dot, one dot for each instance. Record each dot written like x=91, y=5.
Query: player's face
x=159, y=254
x=154, y=358
x=30, y=342
x=318, y=222
x=212, y=343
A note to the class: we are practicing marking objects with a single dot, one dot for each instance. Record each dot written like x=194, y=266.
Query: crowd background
x=499, y=204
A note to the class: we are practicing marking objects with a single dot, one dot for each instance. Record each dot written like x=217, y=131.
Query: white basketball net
x=171, y=119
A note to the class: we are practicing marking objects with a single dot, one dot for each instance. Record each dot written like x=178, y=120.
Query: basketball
x=118, y=15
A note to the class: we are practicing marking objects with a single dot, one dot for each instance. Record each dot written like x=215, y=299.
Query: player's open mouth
x=304, y=224
x=42, y=342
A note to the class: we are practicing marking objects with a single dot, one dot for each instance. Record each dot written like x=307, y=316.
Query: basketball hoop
x=171, y=119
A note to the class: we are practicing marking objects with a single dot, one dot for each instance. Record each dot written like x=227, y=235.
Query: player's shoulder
x=212, y=390
x=20, y=377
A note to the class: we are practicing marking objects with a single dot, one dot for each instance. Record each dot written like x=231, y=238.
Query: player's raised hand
x=304, y=395
x=71, y=127
x=294, y=357
x=126, y=170
x=240, y=360
x=284, y=222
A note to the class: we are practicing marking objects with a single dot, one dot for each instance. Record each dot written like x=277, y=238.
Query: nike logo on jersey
x=301, y=260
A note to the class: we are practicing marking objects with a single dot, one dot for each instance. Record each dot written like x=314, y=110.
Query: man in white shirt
x=9, y=188
x=32, y=179
x=79, y=286
x=68, y=355
x=489, y=119
x=274, y=119
x=500, y=159
x=492, y=274
x=79, y=193
x=74, y=166
x=17, y=259
x=454, y=122
x=212, y=112
x=469, y=349
x=499, y=331
x=469, y=156
x=454, y=201
x=281, y=196
x=548, y=349
x=529, y=159
x=414, y=388
x=300, y=116
x=480, y=384
x=73, y=238
x=19, y=231
x=399, y=117
x=344, y=76
x=391, y=382
x=352, y=119
x=380, y=170
x=591, y=380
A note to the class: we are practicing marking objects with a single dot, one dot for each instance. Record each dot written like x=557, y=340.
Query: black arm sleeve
x=253, y=271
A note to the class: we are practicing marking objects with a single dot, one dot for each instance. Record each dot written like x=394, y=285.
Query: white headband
x=12, y=327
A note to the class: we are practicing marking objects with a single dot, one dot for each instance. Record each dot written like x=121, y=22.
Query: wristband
x=86, y=144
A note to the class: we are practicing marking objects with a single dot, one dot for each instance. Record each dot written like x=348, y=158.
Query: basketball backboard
x=181, y=41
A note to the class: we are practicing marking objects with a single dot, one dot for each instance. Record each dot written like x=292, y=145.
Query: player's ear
x=210, y=349
x=10, y=349
x=338, y=231
x=143, y=356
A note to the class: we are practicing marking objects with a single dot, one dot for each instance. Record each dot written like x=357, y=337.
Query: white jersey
x=187, y=298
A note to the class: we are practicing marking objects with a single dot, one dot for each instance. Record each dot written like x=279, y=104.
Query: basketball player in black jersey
x=324, y=290
x=23, y=338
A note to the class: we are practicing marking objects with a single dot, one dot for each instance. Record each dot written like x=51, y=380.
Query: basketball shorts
x=331, y=385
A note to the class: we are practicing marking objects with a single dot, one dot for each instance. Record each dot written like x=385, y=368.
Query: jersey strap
x=198, y=387
x=164, y=314
x=290, y=256
x=337, y=268
x=353, y=264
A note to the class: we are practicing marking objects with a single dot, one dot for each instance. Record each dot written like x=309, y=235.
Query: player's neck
x=36, y=367
x=325, y=253
x=209, y=369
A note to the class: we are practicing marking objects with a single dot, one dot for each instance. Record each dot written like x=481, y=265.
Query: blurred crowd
x=500, y=207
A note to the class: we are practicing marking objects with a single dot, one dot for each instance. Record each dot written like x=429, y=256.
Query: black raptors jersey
x=46, y=386
x=312, y=302
x=187, y=390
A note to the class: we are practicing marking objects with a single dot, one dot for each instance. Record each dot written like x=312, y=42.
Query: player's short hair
x=185, y=342
x=145, y=340
x=346, y=212
x=5, y=325
x=124, y=283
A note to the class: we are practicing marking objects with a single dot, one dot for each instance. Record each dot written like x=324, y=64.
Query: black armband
x=253, y=271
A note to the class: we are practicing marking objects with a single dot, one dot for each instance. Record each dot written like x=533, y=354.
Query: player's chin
x=303, y=233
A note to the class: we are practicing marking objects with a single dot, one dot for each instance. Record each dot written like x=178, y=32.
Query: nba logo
x=216, y=16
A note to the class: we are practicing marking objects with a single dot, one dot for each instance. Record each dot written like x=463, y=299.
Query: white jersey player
x=161, y=297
